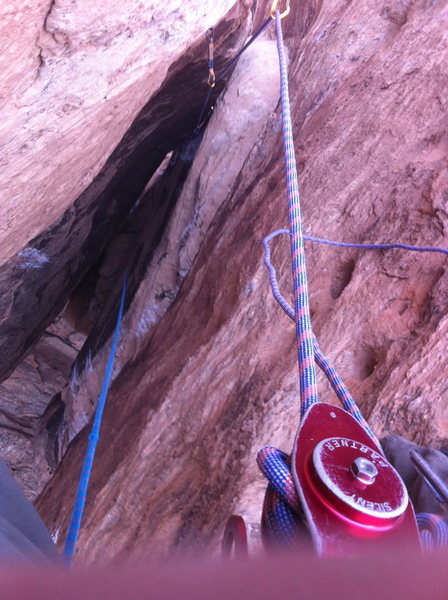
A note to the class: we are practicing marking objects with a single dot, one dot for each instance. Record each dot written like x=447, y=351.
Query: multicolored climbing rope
x=282, y=511
x=304, y=332
x=433, y=531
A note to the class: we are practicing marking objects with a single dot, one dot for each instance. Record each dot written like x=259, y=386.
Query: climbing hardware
x=213, y=79
x=336, y=493
x=211, y=63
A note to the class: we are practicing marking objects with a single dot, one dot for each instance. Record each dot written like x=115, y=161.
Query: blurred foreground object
x=370, y=577
x=23, y=535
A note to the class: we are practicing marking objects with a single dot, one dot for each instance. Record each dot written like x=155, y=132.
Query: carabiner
x=284, y=13
x=211, y=77
x=211, y=64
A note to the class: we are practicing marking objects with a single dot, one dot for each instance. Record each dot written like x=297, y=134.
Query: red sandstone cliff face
x=206, y=369
x=94, y=98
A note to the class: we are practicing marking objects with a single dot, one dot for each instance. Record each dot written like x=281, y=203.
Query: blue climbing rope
x=282, y=511
x=433, y=531
x=78, y=509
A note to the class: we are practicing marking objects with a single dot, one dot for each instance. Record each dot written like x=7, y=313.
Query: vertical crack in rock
x=44, y=30
x=115, y=224
x=79, y=236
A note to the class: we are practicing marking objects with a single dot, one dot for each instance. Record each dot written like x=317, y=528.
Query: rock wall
x=94, y=98
x=206, y=372
x=74, y=83
x=106, y=105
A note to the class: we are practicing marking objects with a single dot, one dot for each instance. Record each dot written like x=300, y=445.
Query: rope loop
x=283, y=517
x=285, y=13
x=433, y=531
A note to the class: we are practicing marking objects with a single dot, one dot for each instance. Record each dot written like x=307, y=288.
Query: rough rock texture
x=113, y=85
x=75, y=82
x=98, y=95
x=206, y=371
x=32, y=410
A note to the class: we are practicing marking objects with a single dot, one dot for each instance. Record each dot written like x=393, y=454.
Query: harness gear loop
x=285, y=13
x=211, y=64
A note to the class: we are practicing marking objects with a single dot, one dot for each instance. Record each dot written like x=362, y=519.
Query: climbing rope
x=433, y=531
x=374, y=246
x=304, y=332
x=324, y=364
x=80, y=501
x=282, y=513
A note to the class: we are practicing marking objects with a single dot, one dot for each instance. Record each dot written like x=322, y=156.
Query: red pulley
x=234, y=542
x=352, y=497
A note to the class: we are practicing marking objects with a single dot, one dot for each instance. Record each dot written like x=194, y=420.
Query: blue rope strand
x=75, y=522
x=230, y=64
x=373, y=246
x=325, y=365
x=392, y=246
x=433, y=531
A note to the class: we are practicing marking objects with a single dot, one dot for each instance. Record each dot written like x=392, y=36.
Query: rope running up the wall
x=80, y=501
x=282, y=512
x=304, y=332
